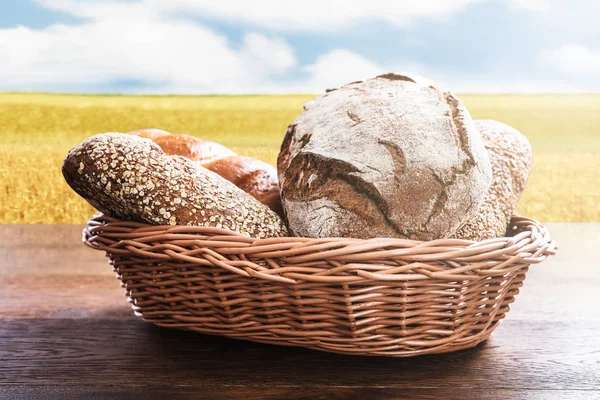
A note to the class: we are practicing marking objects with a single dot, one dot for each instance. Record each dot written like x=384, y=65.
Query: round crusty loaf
x=511, y=159
x=384, y=157
x=133, y=179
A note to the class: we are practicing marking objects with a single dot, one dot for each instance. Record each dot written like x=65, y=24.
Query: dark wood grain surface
x=66, y=331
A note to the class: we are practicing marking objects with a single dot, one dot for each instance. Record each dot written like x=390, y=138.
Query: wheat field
x=37, y=130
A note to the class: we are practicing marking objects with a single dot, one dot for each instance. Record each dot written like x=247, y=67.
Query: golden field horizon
x=37, y=130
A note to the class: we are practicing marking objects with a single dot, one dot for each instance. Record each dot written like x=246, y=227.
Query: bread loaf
x=511, y=159
x=149, y=133
x=384, y=157
x=133, y=179
x=196, y=149
x=255, y=177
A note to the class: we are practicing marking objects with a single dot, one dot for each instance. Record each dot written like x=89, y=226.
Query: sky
x=302, y=46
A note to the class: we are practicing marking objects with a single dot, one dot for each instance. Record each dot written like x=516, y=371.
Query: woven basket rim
x=293, y=259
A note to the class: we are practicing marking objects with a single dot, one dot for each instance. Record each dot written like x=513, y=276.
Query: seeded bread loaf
x=390, y=156
x=511, y=159
x=253, y=176
x=133, y=179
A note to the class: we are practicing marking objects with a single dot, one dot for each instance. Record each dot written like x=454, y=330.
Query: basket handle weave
x=333, y=260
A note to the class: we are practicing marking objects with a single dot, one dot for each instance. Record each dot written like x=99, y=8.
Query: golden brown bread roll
x=196, y=149
x=255, y=177
x=252, y=176
x=149, y=133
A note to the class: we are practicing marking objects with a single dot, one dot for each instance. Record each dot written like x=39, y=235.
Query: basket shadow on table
x=215, y=357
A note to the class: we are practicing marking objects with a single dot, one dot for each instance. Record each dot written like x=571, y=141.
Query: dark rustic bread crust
x=132, y=178
x=511, y=159
x=387, y=157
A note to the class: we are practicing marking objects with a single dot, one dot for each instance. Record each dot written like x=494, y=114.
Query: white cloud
x=148, y=41
x=272, y=55
x=305, y=15
x=174, y=54
x=495, y=85
x=338, y=67
x=341, y=66
x=573, y=59
x=315, y=15
x=99, y=9
x=529, y=5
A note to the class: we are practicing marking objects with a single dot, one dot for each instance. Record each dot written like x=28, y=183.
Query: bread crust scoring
x=390, y=156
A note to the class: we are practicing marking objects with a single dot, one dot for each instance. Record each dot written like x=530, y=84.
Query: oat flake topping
x=132, y=178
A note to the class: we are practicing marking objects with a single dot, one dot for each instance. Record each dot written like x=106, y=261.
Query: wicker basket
x=388, y=297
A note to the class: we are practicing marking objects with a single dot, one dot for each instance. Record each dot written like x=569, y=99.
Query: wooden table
x=66, y=331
